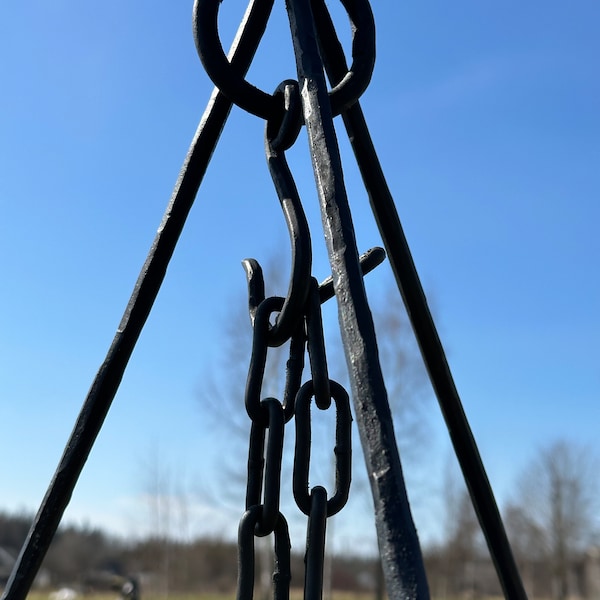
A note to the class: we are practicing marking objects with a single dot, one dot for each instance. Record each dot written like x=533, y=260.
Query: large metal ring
x=342, y=451
x=254, y=100
x=246, y=555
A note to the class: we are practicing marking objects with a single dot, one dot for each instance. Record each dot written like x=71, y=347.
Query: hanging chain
x=299, y=322
x=285, y=111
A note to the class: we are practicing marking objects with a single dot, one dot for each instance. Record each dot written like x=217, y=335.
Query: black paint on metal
x=246, y=534
x=342, y=450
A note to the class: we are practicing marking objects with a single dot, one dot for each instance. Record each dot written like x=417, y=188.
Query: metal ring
x=258, y=359
x=229, y=81
x=356, y=80
x=254, y=100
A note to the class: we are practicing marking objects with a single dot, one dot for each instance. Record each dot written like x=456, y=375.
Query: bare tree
x=558, y=501
x=462, y=550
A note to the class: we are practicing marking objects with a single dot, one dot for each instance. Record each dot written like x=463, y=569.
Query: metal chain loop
x=232, y=84
x=343, y=448
x=282, y=130
x=258, y=360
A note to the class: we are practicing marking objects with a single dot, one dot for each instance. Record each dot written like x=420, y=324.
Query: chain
x=285, y=111
x=299, y=322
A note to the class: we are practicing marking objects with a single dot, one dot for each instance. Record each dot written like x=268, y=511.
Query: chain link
x=266, y=470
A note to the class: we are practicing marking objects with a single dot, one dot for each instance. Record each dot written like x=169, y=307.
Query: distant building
x=7, y=562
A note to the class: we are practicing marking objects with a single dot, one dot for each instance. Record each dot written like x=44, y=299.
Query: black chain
x=342, y=450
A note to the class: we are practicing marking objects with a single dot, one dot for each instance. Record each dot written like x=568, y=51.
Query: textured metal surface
x=398, y=542
x=108, y=378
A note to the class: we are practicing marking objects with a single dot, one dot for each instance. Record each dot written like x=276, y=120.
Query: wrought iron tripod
x=304, y=102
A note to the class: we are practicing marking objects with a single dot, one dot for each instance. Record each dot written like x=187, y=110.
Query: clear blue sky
x=486, y=120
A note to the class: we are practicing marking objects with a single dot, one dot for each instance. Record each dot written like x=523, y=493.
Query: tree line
x=91, y=560
x=552, y=524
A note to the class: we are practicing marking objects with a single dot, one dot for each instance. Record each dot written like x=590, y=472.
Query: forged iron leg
x=105, y=385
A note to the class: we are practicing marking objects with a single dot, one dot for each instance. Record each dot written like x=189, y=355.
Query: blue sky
x=485, y=117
